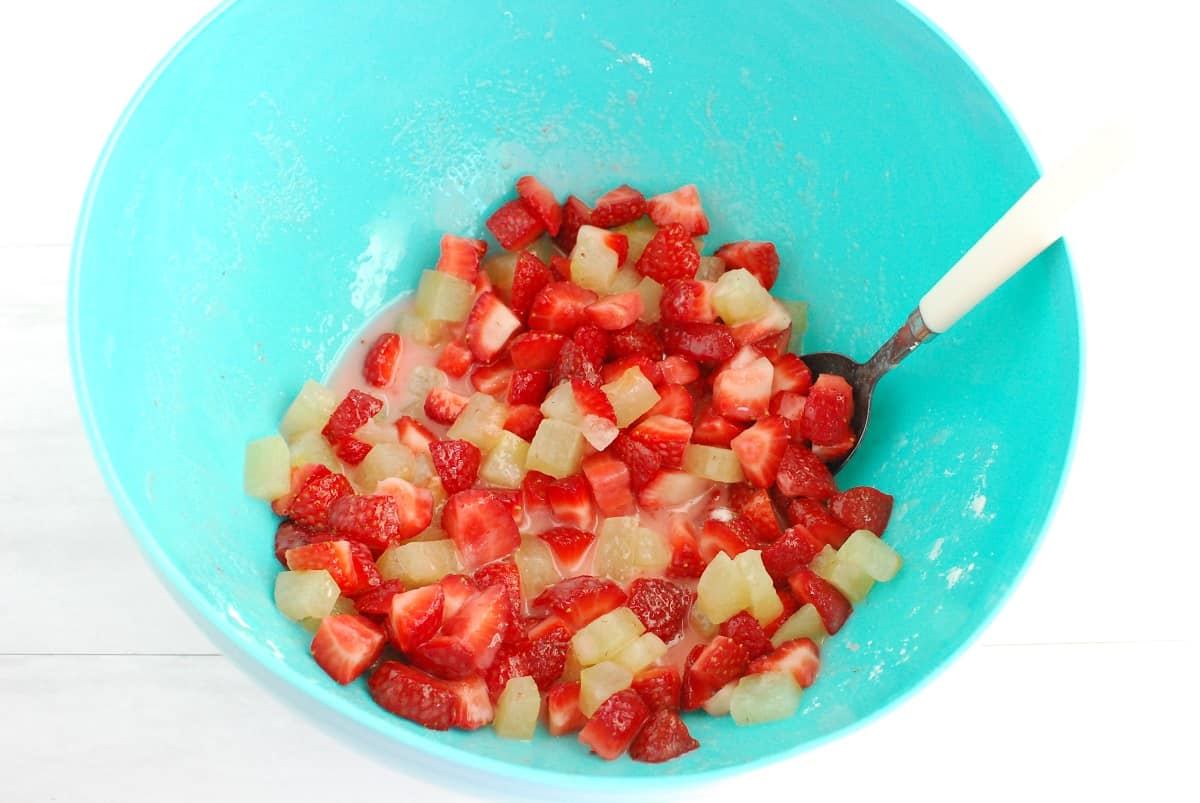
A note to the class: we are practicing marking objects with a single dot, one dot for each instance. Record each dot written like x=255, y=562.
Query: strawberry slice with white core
x=760, y=450
x=758, y=257
x=559, y=307
x=616, y=311
x=618, y=207
x=473, y=708
x=410, y=693
x=489, y=326
x=379, y=366
x=670, y=488
x=615, y=724
x=610, y=482
x=460, y=256
x=800, y=658
x=415, y=616
x=664, y=435
x=742, y=388
x=469, y=640
x=680, y=206
x=597, y=419
x=414, y=506
x=480, y=526
x=562, y=709
x=413, y=434
x=541, y=202
x=345, y=645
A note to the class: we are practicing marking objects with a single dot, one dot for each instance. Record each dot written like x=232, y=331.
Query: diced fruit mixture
x=580, y=480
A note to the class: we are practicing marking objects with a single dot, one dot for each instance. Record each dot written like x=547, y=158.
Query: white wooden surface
x=1082, y=686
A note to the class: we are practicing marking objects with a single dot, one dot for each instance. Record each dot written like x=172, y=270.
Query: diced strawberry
x=563, y=715
x=674, y=401
x=798, y=657
x=643, y=463
x=355, y=410
x=662, y=738
x=862, y=508
x=762, y=329
x=414, y=506
x=580, y=599
x=760, y=450
x=379, y=367
x=759, y=258
x=536, y=350
x=483, y=283
x=685, y=550
x=814, y=590
x=617, y=368
x=790, y=606
x=456, y=590
x=791, y=373
x=512, y=661
x=541, y=202
x=575, y=213
x=678, y=370
x=687, y=301
x=794, y=549
x=523, y=420
x=813, y=515
x=755, y=505
x=444, y=405
x=289, y=535
x=413, y=434
x=454, y=358
x=569, y=544
x=661, y=605
x=489, y=326
x=456, y=462
x=658, y=687
x=514, y=226
x=364, y=564
x=637, y=339
x=334, y=557
x=481, y=526
x=669, y=488
x=775, y=346
x=801, y=473
x=733, y=537
x=528, y=386
x=571, y=502
x=377, y=600
x=503, y=573
x=713, y=429
x=720, y=661
x=682, y=207
x=546, y=653
x=618, y=207
x=707, y=343
x=666, y=436
x=512, y=501
x=415, y=616
x=560, y=307
x=372, y=520
x=533, y=491
x=300, y=477
x=670, y=254
x=345, y=645
x=743, y=628
x=311, y=506
x=615, y=724
x=460, y=256
x=352, y=451
x=742, y=387
x=493, y=379
x=592, y=342
x=573, y=365
x=469, y=640
x=610, y=484
x=789, y=405
x=616, y=311
x=414, y=695
x=827, y=453
x=828, y=410
x=530, y=275
x=473, y=707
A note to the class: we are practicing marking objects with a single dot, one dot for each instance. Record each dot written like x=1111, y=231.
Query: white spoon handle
x=1026, y=229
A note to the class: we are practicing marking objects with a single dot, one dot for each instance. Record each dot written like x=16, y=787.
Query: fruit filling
x=578, y=482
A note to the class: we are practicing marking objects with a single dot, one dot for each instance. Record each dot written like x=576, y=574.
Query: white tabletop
x=1082, y=686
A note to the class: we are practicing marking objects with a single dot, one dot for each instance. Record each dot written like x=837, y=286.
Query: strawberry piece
x=460, y=256
x=580, y=599
x=775, y=346
x=670, y=487
x=311, y=506
x=290, y=535
x=364, y=564
x=615, y=369
x=512, y=661
x=569, y=544
x=759, y=258
x=760, y=330
x=761, y=449
x=546, y=654
x=371, y=520
x=599, y=424
x=345, y=645
x=700, y=342
x=334, y=557
x=481, y=526
x=456, y=590
x=670, y=254
x=801, y=473
x=665, y=436
x=643, y=463
x=413, y=695
x=789, y=405
x=503, y=573
x=355, y=410
x=791, y=373
x=444, y=405
x=573, y=365
x=563, y=714
x=533, y=491
x=794, y=549
x=523, y=420
x=379, y=367
x=592, y=342
x=456, y=462
x=637, y=339
x=799, y=657
x=743, y=628
x=681, y=207
x=415, y=616
x=377, y=600
x=678, y=370
x=742, y=388
x=813, y=515
x=610, y=483
x=687, y=301
x=414, y=506
x=811, y=589
x=351, y=451
x=536, y=350
x=514, y=226
x=713, y=429
x=493, y=379
x=560, y=307
x=685, y=550
x=413, y=434
x=300, y=477
x=489, y=326
x=662, y=738
x=616, y=311
x=754, y=504
x=720, y=661
x=618, y=207
x=674, y=401
x=571, y=502
x=528, y=386
x=575, y=214
x=541, y=202
x=473, y=707
x=828, y=410
x=862, y=508
x=511, y=499
x=658, y=687
x=454, y=358
x=661, y=605
x=530, y=275
x=732, y=537
x=469, y=640
x=615, y=724
x=827, y=453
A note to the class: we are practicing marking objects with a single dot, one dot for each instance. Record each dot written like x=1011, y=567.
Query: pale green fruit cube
x=766, y=697
x=344, y=605
x=557, y=449
x=631, y=395
x=535, y=563
x=852, y=581
x=500, y=270
x=624, y=280
x=383, y=461
x=424, y=378
x=598, y=683
x=311, y=447
x=722, y=590
x=639, y=233
x=712, y=463
x=309, y=411
x=625, y=550
x=711, y=269
x=605, y=636
x=739, y=298
x=593, y=263
x=305, y=594
x=418, y=563
x=640, y=653
x=651, y=292
x=504, y=467
x=560, y=404
x=718, y=704
x=517, y=709
x=442, y=297
x=869, y=553
x=543, y=248
x=764, y=602
x=267, y=472
x=804, y=623
x=417, y=329
x=822, y=564
x=480, y=422
x=705, y=628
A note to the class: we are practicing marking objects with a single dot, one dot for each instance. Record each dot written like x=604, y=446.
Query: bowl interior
x=289, y=170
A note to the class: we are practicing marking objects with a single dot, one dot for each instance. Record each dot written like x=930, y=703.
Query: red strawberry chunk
x=575, y=214
x=536, y=350
x=674, y=401
x=664, y=435
x=790, y=405
x=377, y=600
x=512, y=501
x=812, y=514
x=473, y=707
x=615, y=724
x=720, y=661
x=563, y=714
x=658, y=687
x=700, y=342
x=573, y=364
x=345, y=645
x=733, y=537
x=533, y=491
x=334, y=557
x=670, y=487
x=569, y=544
x=571, y=502
x=414, y=506
x=379, y=367
x=746, y=631
x=469, y=640
x=523, y=420
x=530, y=275
x=618, y=207
x=794, y=549
x=546, y=654
x=759, y=258
x=801, y=473
x=444, y=405
x=311, y=506
x=687, y=301
x=742, y=388
x=541, y=202
x=456, y=462
x=662, y=738
x=685, y=550
x=799, y=657
x=827, y=453
x=617, y=368
x=290, y=535
x=637, y=339
x=764, y=328
x=512, y=661
x=791, y=373
x=493, y=379
x=862, y=508
x=528, y=386
x=714, y=429
x=355, y=410
x=503, y=573
x=455, y=358
x=481, y=526
x=678, y=370
x=760, y=450
x=592, y=342
x=413, y=434
x=643, y=463
x=560, y=307
x=415, y=616
x=489, y=326
x=670, y=254
x=300, y=477
x=580, y=599
x=754, y=505
x=514, y=226
x=775, y=346
x=811, y=589
x=828, y=410
x=371, y=520
x=616, y=311
x=364, y=564
x=414, y=695
x=351, y=451
x=661, y=605
x=610, y=482
x=682, y=207
x=460, y=256
x=456, y=589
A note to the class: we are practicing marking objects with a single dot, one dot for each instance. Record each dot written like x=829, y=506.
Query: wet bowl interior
x=288, y=170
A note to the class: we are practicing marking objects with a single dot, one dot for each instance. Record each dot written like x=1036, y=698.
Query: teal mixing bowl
x=289, y=167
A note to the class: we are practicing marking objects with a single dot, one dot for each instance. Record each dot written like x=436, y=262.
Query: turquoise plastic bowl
x=288, y=170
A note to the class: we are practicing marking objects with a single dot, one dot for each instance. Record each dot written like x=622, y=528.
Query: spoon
x=1031, y=225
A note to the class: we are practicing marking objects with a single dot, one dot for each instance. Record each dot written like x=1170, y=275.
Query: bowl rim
x=318, y=701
